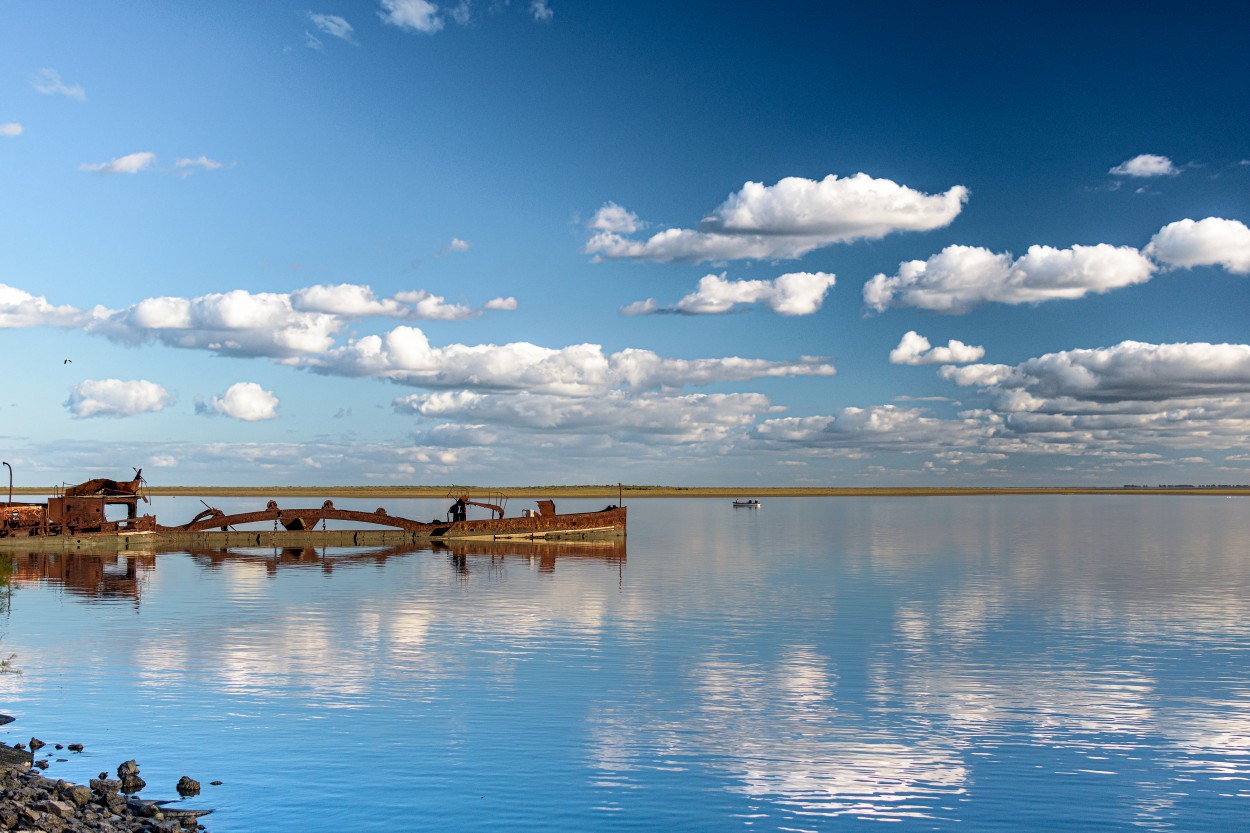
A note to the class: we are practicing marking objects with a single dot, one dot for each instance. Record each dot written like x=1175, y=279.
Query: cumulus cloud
x=1134, y=371
x=976, y=375
x=612, y=217
x=413, y=15
x=300, y=329
x=246, y=401
x=1124, y=402
x=879, y=428
x=405, y=355
x=131, y=163
x=505, y=304
x=961, y=277
x=422, y=305
x=1145, y=165
x=664, y=418
x=10, y=129
x=1129, y=405
x=1207, y=242
x=786, y=220
x=914, y=349
x=796, y=293
x=332, y=25
x=21, y=309
x=358, y=301
x=48, y=82
x=116, y=398
x=238, y=323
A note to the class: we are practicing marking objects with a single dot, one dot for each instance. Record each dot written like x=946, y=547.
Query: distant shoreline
x=635, y=492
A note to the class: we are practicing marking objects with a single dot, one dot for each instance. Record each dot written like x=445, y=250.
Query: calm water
x=1000, y=663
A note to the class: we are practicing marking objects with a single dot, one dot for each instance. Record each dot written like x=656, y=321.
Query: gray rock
x=42, y=763
x=165, y=826
x=105, y=786
x=132, y=783
x=188, y=786
x=127, y=768
x=75, y=747
x=56, y=808
x=36, y=744
x=79, y=794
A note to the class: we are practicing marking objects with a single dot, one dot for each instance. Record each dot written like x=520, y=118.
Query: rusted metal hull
x=298, y=527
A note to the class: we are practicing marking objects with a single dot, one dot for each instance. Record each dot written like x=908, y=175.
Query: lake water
x=995, y=663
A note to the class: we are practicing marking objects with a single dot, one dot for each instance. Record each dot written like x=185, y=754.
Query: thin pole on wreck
x=10, y=468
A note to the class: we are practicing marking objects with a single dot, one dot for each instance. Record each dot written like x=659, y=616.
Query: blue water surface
x=967, y=663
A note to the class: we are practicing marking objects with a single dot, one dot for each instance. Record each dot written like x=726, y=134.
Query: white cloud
x=541, y=11
x=345, y=299
x=10, y=129
x=796, y=293
x=914, y=349
x=961, y=277
x=116, y=398
x=414, y=15
x=245, y=401
x=456, y=245
x=201, y=162
x=131, y=163
x=1211, y=241
x=504, y=304
x=676, y=419
x=1127, y=405
x=332, y=25
x=879, y=428
x=614, y=218
x=976, y=375
x=786, y=220
x=423, y=305
x=1134, y=371
x=1145, y=165
x=236, y=323
x=48, y=82
x=313, y=42
x=358, y=301
x=405, y=355
x=21, y=309
x=1123, y=403
x=641, y=307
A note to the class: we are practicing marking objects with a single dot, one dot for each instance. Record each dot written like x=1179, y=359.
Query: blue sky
x=393, y=241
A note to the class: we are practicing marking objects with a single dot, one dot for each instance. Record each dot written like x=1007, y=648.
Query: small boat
x=747, y=504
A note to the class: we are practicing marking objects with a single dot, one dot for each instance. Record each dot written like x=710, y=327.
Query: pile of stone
x=31, y=803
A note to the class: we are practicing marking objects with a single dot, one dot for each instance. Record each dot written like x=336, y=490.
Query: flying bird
x=68, y=361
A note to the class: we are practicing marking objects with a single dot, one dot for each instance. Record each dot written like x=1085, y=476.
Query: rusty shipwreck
x=103, y=513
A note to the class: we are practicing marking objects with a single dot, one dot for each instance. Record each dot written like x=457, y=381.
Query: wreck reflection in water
x=122, y=575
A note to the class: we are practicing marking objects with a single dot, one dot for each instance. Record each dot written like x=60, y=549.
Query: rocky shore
x=33, y=803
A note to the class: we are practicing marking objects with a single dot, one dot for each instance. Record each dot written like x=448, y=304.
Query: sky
x=552, y=242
